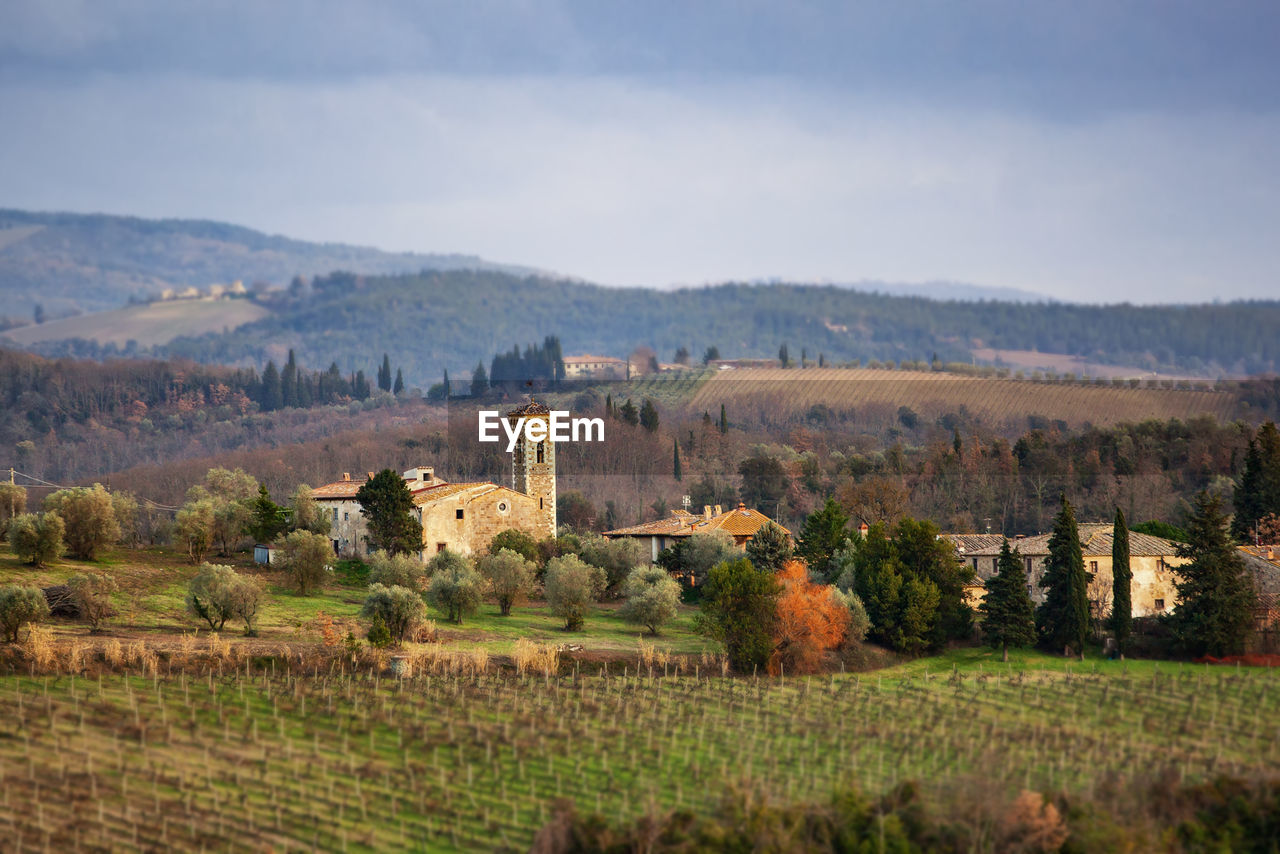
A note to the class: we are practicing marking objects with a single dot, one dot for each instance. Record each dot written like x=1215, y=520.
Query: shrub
x=19, y=606
x=517, y=541
x=37, y=538
x=809, y=621
x=245, y=599
x=399, y=609
x=303, y=556
x=739, y=610
x=455, y=586
x=616, y=557
x=652, y=596
x=509, y=576
x=379, y=635
x=859, y=622
x=90, y=519
x=209, y=594
x=91, y=593
x=396, y=571
x=570, y=587
x=692, y=558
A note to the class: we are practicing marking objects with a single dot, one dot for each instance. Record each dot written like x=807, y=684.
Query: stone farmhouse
x=739, y=523
x=461, y=517
x=1151, y=559
x=596, y=367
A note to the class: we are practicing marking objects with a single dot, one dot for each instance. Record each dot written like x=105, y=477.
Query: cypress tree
x=649, y=416
x=1215, y=595
x=724, y=421
x=445, y=383
x=479, y=381
x=675, y=460
x=272, y=397
x=1121, y=578
x=384, y=373
x=1258, y=490
x=399, y=383
x=1008, y=617
x=1063, y=620
x=289, y=381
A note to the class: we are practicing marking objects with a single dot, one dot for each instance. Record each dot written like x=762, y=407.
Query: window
x=540, y=503
x=441, y=547
x=459, y=513
x=540, y=453
x=1093, y=566
x=335, y=514
x=502, y=507
x=1030, y=592
x=1028, y=560
x=975, y=564
x=1159, y=604
x=345, y=515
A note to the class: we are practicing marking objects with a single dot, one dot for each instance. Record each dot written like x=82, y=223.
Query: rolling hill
x=92, y=262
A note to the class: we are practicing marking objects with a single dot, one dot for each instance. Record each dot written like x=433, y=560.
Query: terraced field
x=876, y=395
x=300, y=756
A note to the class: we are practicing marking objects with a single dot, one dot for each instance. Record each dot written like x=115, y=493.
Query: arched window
x=540, y=453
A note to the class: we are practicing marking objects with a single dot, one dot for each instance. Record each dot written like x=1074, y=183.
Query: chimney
x=346, y=475
x=1271, y=552
x=718, y=510
x=370, y=475
x=706, y=511
x=862, y=530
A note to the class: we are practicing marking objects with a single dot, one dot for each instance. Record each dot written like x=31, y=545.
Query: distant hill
x=146, y=324
x=455, y=319
x=91, y=262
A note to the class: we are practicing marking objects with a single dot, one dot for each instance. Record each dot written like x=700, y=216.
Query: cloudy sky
x=1097, y=151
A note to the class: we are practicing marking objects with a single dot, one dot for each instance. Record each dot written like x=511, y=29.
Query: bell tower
x=533, y=464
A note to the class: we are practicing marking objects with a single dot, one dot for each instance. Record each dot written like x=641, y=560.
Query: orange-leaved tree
x=809, y=622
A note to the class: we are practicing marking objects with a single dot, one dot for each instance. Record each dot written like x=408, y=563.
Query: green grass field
x=289, y=760
x=149, y=324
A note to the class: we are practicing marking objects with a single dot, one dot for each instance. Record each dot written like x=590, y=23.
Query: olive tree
x=455, y=586
x=37, y=538
x=652, y=597
x=13, y=501
x=570, y=587
x=396, y=571
x=20, y=605
x=616, y=557
x=510, y=577
x=91, y=593
x=399, y=608
x=211, y=594
x=193, y=528
x=90, y=519
x=304, y=556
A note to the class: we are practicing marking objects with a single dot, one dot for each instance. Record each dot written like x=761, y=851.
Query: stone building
x=739, y=523
x=461, y=517
x=1151, y=560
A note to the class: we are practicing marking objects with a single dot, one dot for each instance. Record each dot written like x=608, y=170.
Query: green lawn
x=151, y=603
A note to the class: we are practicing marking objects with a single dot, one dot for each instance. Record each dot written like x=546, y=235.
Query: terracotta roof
x=580, y=360
x=530, y=408
x=738, y=522
x=1271, y=554
x=1095, y=541
x=343, y=489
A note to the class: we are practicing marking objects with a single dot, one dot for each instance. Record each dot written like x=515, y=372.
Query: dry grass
x=533, y=657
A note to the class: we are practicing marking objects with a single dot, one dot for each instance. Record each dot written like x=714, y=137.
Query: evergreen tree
x=479, y=381
x=1258, y=491
x=1063, y=620
x=445, y=382
x=398, y=387
x=823, y=532
x=784, y=358
x=629, y=413
x=649, y=416
x=712, y=354
x=724, y=420
x=1215, y=594
x=387, y=506
x=272, y=396
x=360, y=389
x=1121, y=623
x=676, y=470
x=384, y=373
x=289, y=381
x=769, y=548
x=1008, y=617
x=269, y=519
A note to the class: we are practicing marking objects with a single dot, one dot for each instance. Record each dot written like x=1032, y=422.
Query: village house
x=739, y=523
x=461, y=517
x=1151, y=560
x=595, y=367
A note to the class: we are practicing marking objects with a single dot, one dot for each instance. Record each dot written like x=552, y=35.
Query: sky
x=1088, y=151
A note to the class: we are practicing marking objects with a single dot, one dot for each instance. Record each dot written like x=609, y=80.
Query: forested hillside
x=74, y=262
x=455, y=319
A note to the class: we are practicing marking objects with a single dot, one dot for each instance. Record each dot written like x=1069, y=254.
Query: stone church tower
x=533, y=465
